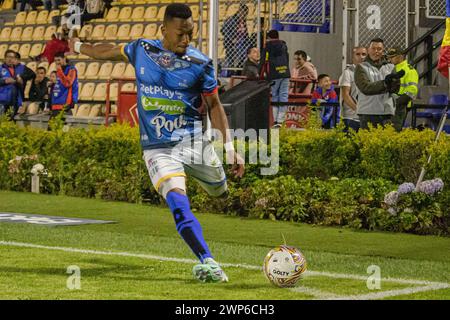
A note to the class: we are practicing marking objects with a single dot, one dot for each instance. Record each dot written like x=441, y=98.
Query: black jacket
x=251, y=70
x=276, y=53
x=39, y=91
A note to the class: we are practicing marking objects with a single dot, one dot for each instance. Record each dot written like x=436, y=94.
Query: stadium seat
x=123, y=33
x=32, y=65
x=95, y=110
x=150, y=31
x=113, y=91
x=42, y=17
x=222, y=11
x=53, y=13
x=81, y=69
x=195, y=12
x=195, y=31
x=36, y=49
x=232, y=9
x=86, y=31
x=31, y=17
x=87, y=91
x=3, y=48
x=159, y=33
x=27, y=34
x=99, y=92
x=113, y=14
x=49, y=32
x=125, y=13
x=24, y=50
x=43, y=64
x=51, y=67
x=136, y=31
x=138, y=14
x=205, y=47
x=80, y=87
x=221, y=50
x=4, y=35
x=151, y=13
x=161, y=11
x=105, y=71
x=16, y=34
x=129, y=71
x=83, y=111
x=38, y=33
x=20, y=18
x=129, y=87
x=118, y=70
x=205, y=30
x=33, y=108
x=14, y=47
x=92, y=70
x=110, y=32
x=27, y=89
x=97, y=33
x=8, y=5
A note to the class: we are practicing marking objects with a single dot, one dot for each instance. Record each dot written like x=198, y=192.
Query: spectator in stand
x=50, y=5
x=325, y=94
x=376, y=85
x=23, y=75
x=39, y=88
x=65, y=91
x=303, y=70
x=57, y=44
x=276, y=64
x=32, y=3
x=50, y=85
x=349, y=90
x=235, y=37
x=9, y=93
x=251, y=66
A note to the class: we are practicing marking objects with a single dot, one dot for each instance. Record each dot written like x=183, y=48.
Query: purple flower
x=430, y=187
x=406, y=187
x=391, y=198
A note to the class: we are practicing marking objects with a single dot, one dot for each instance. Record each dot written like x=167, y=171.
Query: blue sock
x=187, y=224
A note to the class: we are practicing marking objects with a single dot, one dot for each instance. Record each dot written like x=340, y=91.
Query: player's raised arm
x=98, y=51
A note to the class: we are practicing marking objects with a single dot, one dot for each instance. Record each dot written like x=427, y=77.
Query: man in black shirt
x=251, y=66
x=39, y=88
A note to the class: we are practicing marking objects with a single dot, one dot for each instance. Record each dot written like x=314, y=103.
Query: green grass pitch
x=143, y=257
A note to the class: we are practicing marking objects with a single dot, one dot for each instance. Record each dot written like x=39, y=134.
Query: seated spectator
x=251, y=66
x=57, y=44
x=23, y=75
x=65, y=91
x=50, y=5
x=325, y=94
x=303, y=70
x=50, y=86
x=39, y=88
x=32, y=3
x=9, y=95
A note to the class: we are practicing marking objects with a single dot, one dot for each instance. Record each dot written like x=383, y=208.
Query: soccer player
x=171, y=78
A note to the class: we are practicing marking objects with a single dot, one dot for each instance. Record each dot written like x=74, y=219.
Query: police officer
x=409, y=86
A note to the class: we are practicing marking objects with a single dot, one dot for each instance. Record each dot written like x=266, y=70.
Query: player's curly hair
x=177, y=10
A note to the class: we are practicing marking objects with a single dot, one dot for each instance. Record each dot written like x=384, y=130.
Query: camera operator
x=377, y=81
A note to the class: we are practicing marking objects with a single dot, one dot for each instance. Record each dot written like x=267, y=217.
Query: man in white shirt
x=349, y=90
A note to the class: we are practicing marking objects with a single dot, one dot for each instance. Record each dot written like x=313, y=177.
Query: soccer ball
x=284, y=265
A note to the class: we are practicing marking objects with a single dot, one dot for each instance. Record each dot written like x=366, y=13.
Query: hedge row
x=107, y=163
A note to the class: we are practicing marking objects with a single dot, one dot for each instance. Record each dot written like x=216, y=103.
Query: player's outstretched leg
x=190, y=230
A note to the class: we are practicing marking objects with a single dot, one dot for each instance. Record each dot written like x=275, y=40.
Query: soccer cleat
x=209, y=271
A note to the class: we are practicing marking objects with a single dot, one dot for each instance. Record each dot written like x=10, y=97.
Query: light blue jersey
x=169, y=89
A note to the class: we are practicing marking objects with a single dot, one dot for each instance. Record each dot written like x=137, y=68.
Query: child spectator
x=325, y=94
x=50, y=85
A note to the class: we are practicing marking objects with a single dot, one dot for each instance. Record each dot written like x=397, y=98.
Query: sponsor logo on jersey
x=165, y=105
x=160, y=122
x=154, y=90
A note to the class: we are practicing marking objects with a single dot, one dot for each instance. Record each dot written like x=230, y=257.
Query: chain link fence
x=238, y=31
x=384, y=19
x=435, y=9
x=305, y=12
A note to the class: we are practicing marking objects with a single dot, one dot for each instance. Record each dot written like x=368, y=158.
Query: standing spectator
x=39, y=88
x=376, y=84
x=325, y=94
x=303, y=70
x=23, y=75
x=251, y=66
x=9, y=93
x=349, y=90
x=409, y=86
x=65, y=91
x=235, y=37
x=57, y=44
x=276, y=58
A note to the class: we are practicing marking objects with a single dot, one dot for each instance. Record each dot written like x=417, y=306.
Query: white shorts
x=168, y=167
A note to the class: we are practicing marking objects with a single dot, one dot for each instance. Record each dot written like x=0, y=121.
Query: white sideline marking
x=426, y=285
